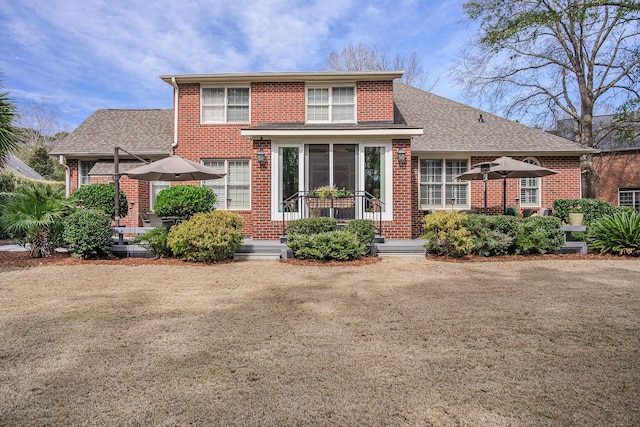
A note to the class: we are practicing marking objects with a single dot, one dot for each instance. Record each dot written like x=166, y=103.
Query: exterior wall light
x=261, y=156
x=402, y=156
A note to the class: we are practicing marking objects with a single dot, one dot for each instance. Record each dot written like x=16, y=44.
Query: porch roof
x=105, y=167
x=363, y=129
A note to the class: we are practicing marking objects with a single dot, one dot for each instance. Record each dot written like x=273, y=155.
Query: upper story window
x=336, y=104
x=225, y=105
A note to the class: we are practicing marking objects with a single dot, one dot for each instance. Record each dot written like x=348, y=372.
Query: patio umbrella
x=173, y=168
x=506, y=167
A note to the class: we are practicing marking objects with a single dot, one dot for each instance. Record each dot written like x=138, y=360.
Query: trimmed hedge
x=155, y=241
x=206, y=237
x=101, y=197
x=540, y=235
x=446, y=234
x=363, y=229
x=327, y=246
x=311, y=225
x=87, y=233
x=493, y=234
x=184, y=201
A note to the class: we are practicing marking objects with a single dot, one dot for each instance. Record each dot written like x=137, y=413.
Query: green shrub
x=363, y=229
x=593, y=209
x=327, y=246
x=621, y=209
x=155, y=241
x=493, y=234
x=207, y=237
x=617, y=234
x=100, y=197
x=540, y=234
x=445, y=234
x=184, y=201
x=311, y=225
x=87, y=233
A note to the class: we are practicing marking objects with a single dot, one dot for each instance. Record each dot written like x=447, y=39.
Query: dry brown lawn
x=402, y=342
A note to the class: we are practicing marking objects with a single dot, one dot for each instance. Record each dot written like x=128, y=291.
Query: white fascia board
x=282, y=133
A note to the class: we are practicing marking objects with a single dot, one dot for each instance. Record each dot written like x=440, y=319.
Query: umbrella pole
x=504, y=194
x=485, y=194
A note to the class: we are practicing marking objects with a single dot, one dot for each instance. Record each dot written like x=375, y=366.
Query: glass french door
x=332, y=165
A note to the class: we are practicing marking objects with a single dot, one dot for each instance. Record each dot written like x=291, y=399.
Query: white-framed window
x=530, y=187
x=233, y=191
x=83, y=175
x=224, y=105
x=331, y=104
x=156, y=187
x=439, y=189
x=629, y=197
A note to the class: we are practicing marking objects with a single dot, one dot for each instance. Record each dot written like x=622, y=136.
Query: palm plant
x=32, y=212
x=8, y=138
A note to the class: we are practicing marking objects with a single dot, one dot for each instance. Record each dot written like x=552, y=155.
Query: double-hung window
x=233, y=191
x=530, y=188
x=336, y=104
x=439, y=189
x=629, y=197
x=225, y=105
x=85, y=167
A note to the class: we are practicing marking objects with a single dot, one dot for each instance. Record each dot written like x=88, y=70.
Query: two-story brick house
x=279, y=135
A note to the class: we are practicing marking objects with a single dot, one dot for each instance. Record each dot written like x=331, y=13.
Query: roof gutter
x=176, y=93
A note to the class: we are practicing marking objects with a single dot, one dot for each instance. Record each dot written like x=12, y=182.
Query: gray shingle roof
x=138, y=131
x=450, y=126
x=18, y=166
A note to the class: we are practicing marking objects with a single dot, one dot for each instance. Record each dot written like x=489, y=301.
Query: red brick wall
x=565, y=184
x=616, y=170
x=375, y=101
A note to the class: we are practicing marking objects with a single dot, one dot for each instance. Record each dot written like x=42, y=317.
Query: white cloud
x=89, y=54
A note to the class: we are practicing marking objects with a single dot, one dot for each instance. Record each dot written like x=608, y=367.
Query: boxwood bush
x=617, y=234
x=493, y=234
x=446, y=234
x=184, y=201
x=206, y=237
x=87, y=233
x=540, y=235
x=100, y=197
x=311, y=225
x=327, y=246
x=363, y=229
x=593, y=209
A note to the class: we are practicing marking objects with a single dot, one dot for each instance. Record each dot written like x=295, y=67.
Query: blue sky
x=83, y=55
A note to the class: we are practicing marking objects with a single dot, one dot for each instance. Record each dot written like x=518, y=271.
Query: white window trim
x=539, y=186
x=276, y=215
x=635, y=195
x=224, y=206
x=387, y=214
x=226, y=104
x=445, y=205
x=80, y=162
x=330, y=87
x=151, y=191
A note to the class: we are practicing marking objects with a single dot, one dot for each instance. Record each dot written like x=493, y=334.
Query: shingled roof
x=450, y=126
x=143, y=132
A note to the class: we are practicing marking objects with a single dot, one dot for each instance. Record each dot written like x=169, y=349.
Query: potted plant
x=576, y=214
x=330, y=197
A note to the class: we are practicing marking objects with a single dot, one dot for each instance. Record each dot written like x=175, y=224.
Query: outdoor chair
x=149, y=219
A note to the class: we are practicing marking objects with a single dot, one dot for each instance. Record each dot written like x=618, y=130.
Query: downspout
x=67, y=175
x=176, y=93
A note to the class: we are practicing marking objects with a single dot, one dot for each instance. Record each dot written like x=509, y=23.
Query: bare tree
x=548, y=59
x=364, y=58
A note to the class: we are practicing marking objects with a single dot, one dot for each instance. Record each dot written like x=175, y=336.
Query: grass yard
x=402, y=342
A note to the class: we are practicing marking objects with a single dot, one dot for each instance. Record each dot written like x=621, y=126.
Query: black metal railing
x=360, y=205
